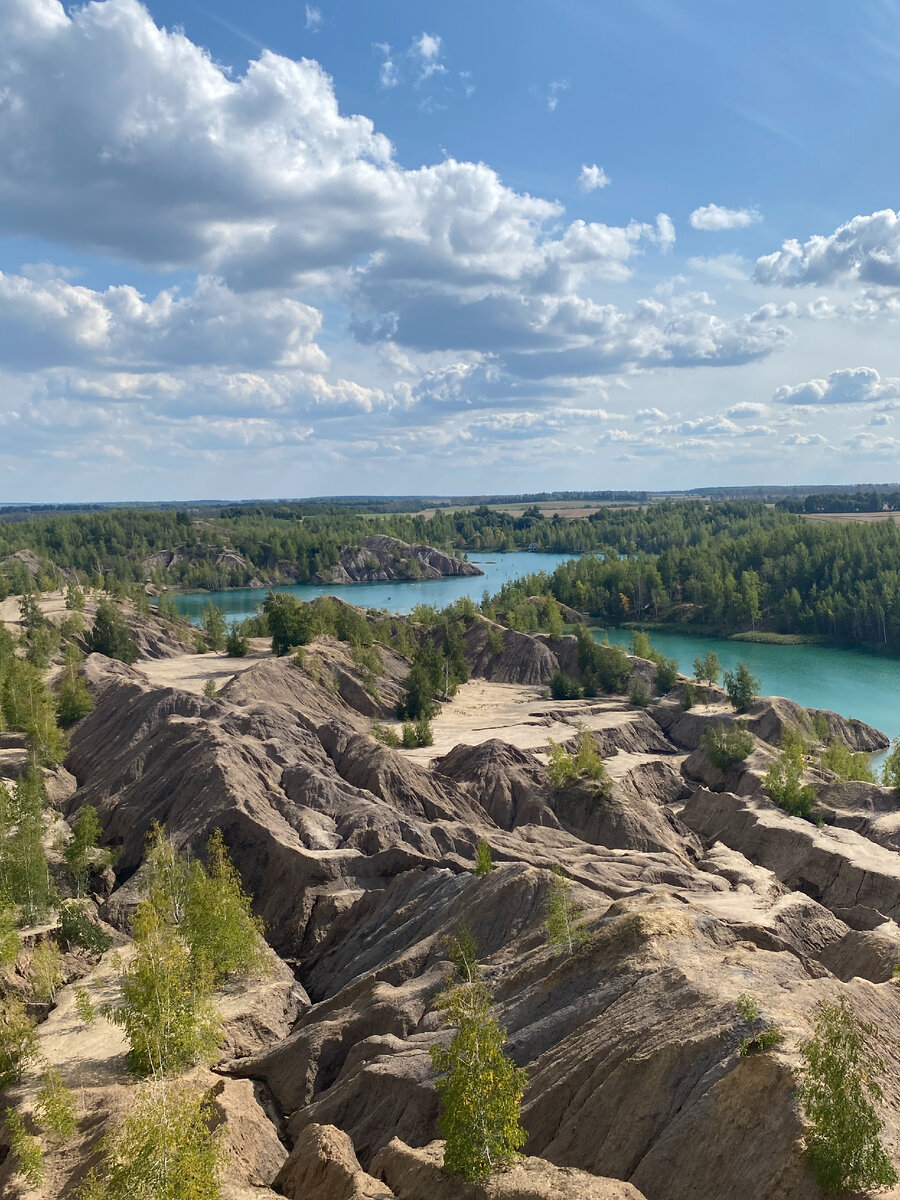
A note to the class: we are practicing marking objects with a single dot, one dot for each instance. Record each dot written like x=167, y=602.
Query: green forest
x=724, y=567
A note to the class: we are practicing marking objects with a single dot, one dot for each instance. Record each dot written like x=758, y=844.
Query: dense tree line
x=843, y=502
x=730, y=568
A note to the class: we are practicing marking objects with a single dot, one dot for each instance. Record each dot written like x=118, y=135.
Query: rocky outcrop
x=323, y=1166
x=381, y=559
x=837, y=867
x=360, y=859
x=768, y=718
x=506, y=656
x=417, y=1175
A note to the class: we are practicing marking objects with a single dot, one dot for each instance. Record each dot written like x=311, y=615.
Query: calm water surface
x=851, y=682
x=396, y=597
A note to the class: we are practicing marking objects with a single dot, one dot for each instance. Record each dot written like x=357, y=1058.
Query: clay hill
x=381, y=559
x=695, y=888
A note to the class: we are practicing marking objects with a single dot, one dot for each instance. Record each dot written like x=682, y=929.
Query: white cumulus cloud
x=864, y=250
x=857, y=385
x=713, y=217
x=592, y=177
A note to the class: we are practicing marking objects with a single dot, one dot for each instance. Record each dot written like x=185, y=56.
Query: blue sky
x=358, y=246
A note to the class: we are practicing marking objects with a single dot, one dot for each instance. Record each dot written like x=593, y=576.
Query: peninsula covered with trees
x=721, y=567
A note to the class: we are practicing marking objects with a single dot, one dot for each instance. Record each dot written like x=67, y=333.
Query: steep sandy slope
x=361, y=861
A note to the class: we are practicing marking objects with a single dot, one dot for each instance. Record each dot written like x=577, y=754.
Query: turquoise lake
x=851, y=682
x=397, y=597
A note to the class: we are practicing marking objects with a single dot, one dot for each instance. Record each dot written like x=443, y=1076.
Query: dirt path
x=191, y=671
x=520, y=716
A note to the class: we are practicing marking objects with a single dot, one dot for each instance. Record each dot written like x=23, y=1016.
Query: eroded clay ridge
x=695, y=890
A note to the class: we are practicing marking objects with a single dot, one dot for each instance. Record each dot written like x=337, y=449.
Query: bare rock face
x=505, y=656
x=323, y=1166
x=839, y=868
x=254, y=1151
x=767, y=719
x=417, y=1175
x=381, y=559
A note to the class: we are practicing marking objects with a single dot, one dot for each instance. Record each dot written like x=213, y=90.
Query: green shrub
x=846, y=764
x=838, y=1084
x=563, y=915
x=55, y=1108
x=690, y=697
x=757, y=1036
x=666, y=674
x=236, y=644
x=890, y=769
x=25, y=1150
x=484, y=862
x=408, y=737
x=784, y=783
x=727, y=745
x=218, y=922
x=479, y=1087
x=210, y=691
x=385, y=734
x=110, y=634
x=18, y=1041
x=163, y=1150
x=742, y=687
x=638, y=692
x=77, y=929
x=562, y=687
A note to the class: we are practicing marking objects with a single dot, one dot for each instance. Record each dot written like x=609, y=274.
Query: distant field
x=570, y=509
x=867, y=517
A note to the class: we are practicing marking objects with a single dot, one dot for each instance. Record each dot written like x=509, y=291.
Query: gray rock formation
x=381, y=559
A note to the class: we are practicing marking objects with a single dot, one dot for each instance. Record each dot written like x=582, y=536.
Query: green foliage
x=838, y=1084
x=784, y=783
x=640, y=644
x=603, y=668
x=416, y=733
x=438, y=668
x=742, y=687
x=110, y=635
x=290, y=622
x=707, y=669
x=484, y=861
x=45, y=971
x=43, y=643
x=385, y=734
x=18, y=1041
x=10, y=943
x=564, y=768
x=212, y=619
x=77, y=929
x=563, y=915
x=25, y=1150
x=727, y=745
x=81, y=852
x=73, y=699
x=757, y=1036
x=55, y=1107
x=563, y=687
x=163, y=1150
x=638, y=692
x=210, y=690
x=495, y=640
x=29, y=706
x=164, y=1007
x=84, y=1006
x=890, y=768
x=237, y=645
x=560, y=765
x=846, y=764
x=479, y=1087
x=24, y=875
x=666, y=674
x=74, y=598
x=690, y=697
x=462, y=951
x=218, y=923
x=820, y=726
